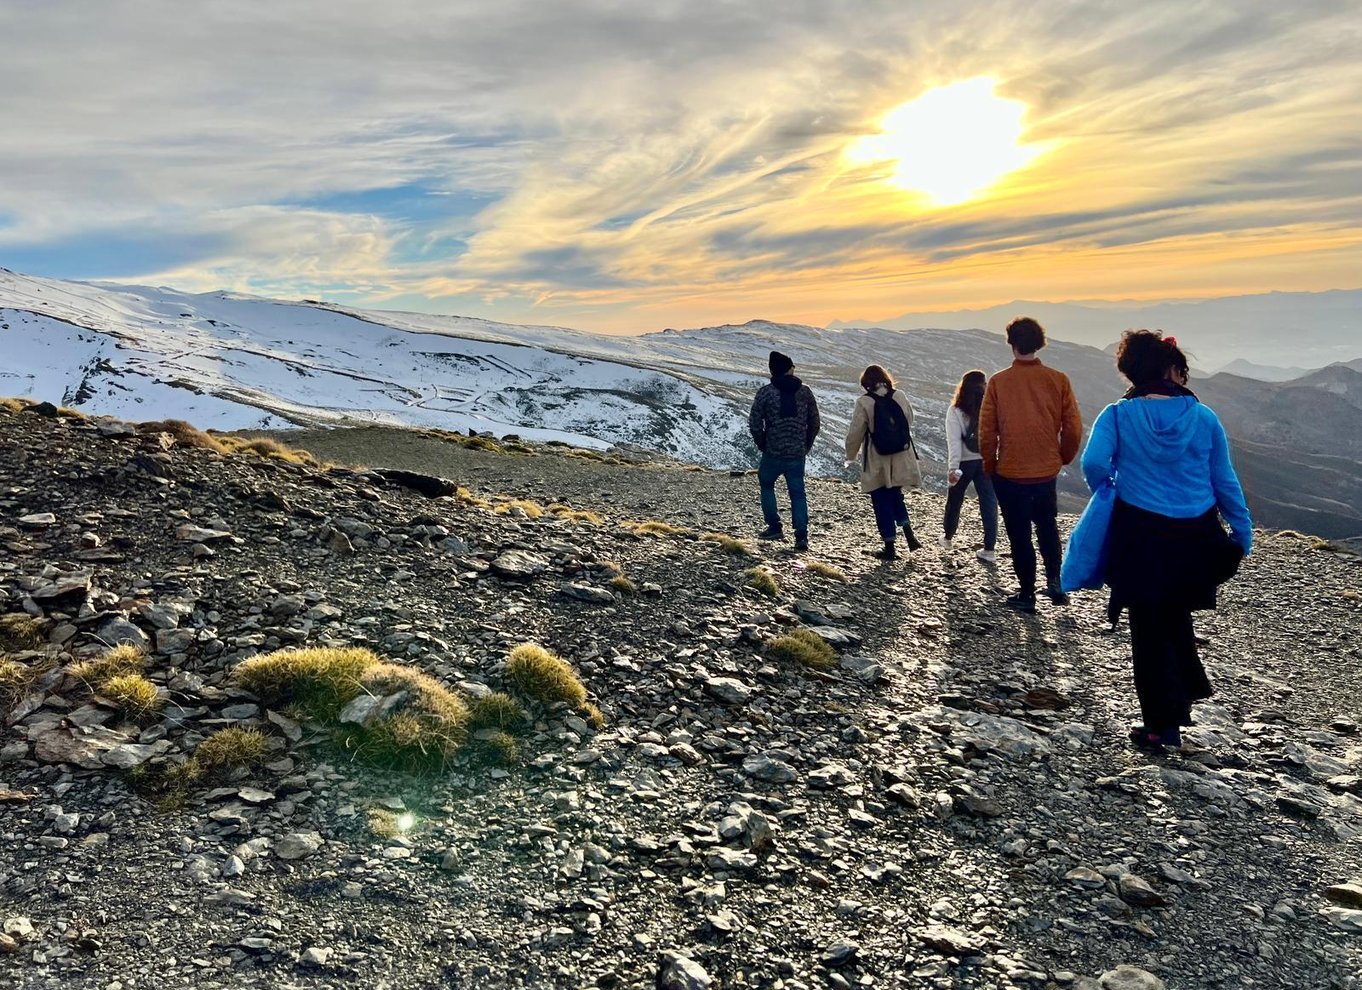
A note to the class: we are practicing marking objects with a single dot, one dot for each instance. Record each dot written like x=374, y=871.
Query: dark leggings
x=1168, y=671
x=972, y=472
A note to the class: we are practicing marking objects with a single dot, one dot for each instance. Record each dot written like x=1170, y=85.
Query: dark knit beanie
x=779, y=364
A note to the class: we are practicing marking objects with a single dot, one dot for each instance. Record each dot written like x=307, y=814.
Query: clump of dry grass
x=230, y=748
x=122, y=659
x=20, y=632
x=184, y=434
x=730, y=544
x=133, y=695
x=655, y=527
x=805, y=647
x=479, y=443
x=624, y=586
x=423, y=734
x=532, y=510
x=497, y=710
x=570, y=514
x=545, y=677
x=763, y=580
x=501, y=748
x=517, y=448
x=586, y=455
x=317, y=682
x=15, y=405
x=466, y=497
x=66, y=412
x=830, y=571
x=593, y=715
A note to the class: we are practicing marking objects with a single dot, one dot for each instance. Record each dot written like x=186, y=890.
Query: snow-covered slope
x=232, y=362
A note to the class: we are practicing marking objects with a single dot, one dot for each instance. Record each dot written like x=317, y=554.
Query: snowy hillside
x=232, y=362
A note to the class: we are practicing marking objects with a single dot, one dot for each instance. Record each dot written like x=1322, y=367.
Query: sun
x=951, y=143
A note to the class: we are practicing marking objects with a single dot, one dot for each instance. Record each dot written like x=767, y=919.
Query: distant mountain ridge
x=234, y=362
x=1310, y=329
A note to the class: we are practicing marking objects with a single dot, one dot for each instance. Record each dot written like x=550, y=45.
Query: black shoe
x=801, y=540
x=1022, y=601
x=1056, y=595
x=886, y=552
x=914, y=544
x=771, y=533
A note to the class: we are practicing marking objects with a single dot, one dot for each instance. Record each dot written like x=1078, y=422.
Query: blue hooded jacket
x=1170, y=456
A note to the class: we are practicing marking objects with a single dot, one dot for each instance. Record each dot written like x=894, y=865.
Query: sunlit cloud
x=627, y=168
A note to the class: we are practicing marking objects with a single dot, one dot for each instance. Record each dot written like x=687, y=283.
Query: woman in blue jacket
x=1167, y=550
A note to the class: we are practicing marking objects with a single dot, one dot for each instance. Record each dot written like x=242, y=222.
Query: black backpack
x=971, y=437
x=890, y=431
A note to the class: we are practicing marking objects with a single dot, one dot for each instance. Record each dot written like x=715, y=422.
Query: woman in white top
x=966, y=466
x=881, y=434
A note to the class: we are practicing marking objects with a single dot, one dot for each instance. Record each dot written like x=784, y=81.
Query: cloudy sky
x=625, y=165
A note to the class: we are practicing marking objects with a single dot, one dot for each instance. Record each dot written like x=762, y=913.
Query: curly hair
x=1146, y=357
x=1026, y=335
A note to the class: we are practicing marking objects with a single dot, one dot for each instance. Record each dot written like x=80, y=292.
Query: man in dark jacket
x=784, y=423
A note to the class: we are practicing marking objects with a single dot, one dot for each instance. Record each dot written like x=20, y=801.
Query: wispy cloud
x=631, y=166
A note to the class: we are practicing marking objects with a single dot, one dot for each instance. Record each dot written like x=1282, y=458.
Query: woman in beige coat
x=889, y=461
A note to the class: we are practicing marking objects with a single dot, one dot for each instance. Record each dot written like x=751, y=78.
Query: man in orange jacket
x=1029, y=428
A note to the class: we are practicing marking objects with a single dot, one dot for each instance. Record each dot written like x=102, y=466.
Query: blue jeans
x=768, y=471
x=972, y=471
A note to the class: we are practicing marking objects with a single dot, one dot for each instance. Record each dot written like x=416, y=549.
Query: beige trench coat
x=899, y=470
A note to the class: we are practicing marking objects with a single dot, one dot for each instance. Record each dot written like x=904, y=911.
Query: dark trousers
x=769, y=470
x=1168, y=671
x=1025, y=505
x=891, y=511
x=972, y=472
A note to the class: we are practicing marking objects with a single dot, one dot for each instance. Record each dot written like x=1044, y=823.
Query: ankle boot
x=914, y=544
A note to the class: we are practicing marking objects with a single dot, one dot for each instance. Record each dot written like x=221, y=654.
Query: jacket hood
x=786, y=383
x=1160, y=429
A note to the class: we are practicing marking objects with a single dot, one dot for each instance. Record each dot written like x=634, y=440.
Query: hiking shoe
x=1056, y=595
x=1022, y=601
x=771, y=533
x=886, y=552
x=945, y=543
x=801, y=541
x=914, y=544
x=1143, y=738
x=987, y=556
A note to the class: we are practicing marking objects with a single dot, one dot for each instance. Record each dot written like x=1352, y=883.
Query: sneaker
x=771, y=533
x=1023, y=602
x=945, y=542
x=801, y=541
x=1056, y=595
x=987, y=556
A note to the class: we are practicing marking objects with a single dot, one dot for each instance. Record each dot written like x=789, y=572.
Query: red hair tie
x=1171, y=341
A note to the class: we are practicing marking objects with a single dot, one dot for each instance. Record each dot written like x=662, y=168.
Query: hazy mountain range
x=235, y=362
x=1304, y=330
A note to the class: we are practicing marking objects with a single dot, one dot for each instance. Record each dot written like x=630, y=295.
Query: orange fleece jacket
x=1029, y=426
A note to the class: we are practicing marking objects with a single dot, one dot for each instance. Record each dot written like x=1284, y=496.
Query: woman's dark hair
x=874, y=376
x=1026, y=335
x=1147, y=357
x=969, y=394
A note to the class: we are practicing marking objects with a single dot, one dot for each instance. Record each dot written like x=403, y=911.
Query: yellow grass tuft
x=184, y=434
x=11, y=405
x=133, y=695
x=545, y=677
x=624, y=586
x=230, y=748
x=655, y=527
x=20, y=632
x=466, y=497
x=570, y=514
x=122, y=659
x=730, y=544
x=830, y=571
x=593, y=716
x=496, y=711
x=803, y=647
x=762, y=580
x=479, y=443
x=501, y=748
x=531, y=509
x=318, y=682
x=66, y=412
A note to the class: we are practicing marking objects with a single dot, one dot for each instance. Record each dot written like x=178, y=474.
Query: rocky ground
x=955, y=805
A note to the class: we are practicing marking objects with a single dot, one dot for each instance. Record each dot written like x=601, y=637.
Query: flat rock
x=1347, y=894
x=1129, y=978
x=298, y=845
x=729, y=690
x=1135, y=890
x=586, y=593
x=949, y=941
x=680, y=972
x=769, y=768
x=189, y=533
x=519, y=565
